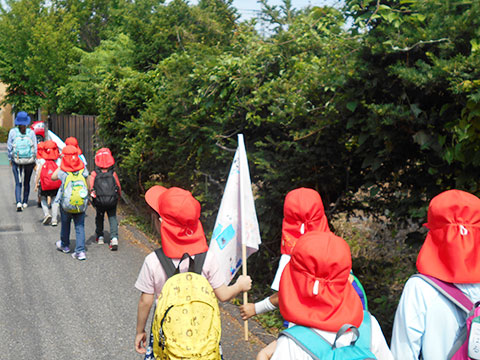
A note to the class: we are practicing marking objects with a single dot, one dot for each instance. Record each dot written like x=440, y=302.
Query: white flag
x=236, y=222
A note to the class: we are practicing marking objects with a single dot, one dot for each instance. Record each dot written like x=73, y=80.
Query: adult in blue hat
x=22, y=151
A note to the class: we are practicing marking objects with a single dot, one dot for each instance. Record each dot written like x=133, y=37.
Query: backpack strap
x=166, y=262
x=195, y=265
x=457, y=297
x=357, y=285
x=311, y=342
x=450, y=291
x=316, y=345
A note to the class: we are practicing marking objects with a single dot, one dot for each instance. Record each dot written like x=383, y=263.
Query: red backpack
x=46, y=181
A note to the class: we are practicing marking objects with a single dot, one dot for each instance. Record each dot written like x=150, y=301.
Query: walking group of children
x=64, y=184
x=438, y=316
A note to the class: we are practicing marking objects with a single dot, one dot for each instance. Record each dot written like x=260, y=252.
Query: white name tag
x=474, y=340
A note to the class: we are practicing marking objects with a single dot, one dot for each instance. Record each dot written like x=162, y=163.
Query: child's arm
x=55, y=174
x=225, y=293
x=267, y=352
x=268, y=304
x=144, y=306
x=117, y=181
x=37, y=179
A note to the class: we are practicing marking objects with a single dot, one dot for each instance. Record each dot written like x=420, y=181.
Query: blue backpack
x=320, y=349
x=23, y=148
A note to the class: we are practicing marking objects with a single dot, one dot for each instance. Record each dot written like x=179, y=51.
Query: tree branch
x=408, y=48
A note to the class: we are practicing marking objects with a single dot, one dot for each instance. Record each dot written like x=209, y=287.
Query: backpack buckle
x=161, y=340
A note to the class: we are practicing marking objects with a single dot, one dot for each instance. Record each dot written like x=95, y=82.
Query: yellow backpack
x=186, y=323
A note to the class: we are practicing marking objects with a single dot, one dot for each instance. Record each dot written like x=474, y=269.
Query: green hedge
x=3, y=134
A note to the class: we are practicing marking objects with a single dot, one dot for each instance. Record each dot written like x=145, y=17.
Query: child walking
x=302, y=212
x=181, y=234
x=427, y=322
x=39, y=161
x=73, y=199
x=316, y=295
x=105, y=191
x=44, y=183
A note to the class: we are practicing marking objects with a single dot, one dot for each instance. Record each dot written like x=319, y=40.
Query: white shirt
x=287, y=349
x=426, y=321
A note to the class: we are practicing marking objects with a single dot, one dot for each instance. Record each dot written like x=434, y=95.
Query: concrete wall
x=6, y=119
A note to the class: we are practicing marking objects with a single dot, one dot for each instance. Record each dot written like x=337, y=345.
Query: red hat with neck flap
x=315, y=290
x=180, y=229
x=302, y=212
x=451, y=251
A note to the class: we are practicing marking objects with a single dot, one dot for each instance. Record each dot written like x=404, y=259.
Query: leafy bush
x=3, y=134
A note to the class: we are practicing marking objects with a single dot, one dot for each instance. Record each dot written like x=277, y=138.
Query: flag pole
x=245, y=294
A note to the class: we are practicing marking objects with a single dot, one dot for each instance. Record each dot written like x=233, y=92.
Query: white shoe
x=54, y=223
x=25, y=205
x=113, y=244
x=19, y=206
x=100, y=240
x=47, y=219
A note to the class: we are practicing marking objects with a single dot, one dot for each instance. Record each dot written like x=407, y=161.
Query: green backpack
x=75, y=193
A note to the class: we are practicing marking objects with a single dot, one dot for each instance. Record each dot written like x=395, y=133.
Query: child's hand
x=244, y=282
x=247, y=311
x=141, y=343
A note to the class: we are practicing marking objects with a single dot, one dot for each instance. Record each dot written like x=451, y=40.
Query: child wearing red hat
x=315, y=293
x=181, y=233
x=426, y=321
x=72, y=166
x=39, y=161
x=105, y=191
x=302, y=212
x=46, y=166
x=74, y=142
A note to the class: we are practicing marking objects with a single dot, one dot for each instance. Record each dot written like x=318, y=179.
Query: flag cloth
x=236, y=222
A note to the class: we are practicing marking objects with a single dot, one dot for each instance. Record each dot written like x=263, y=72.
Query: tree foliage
x=36, y=47
x=376, y=105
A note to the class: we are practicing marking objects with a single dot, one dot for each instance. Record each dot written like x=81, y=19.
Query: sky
x=249, y=8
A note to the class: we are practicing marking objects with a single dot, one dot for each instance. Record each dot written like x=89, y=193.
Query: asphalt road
x=55, y=307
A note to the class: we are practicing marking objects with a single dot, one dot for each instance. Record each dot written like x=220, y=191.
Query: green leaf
x=415, y=109
x=475, y=45
x=352, y=106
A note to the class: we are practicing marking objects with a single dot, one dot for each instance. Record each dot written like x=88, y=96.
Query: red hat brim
x=152, y=195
